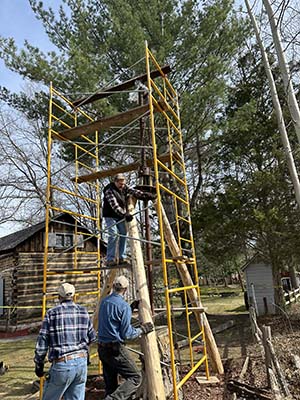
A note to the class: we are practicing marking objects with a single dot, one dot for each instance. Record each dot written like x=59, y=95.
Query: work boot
x=124, y=261
x=111, y=263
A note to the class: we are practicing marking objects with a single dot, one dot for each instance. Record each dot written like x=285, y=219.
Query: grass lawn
x=18, y=353
x=220, y=305
x=214, y=298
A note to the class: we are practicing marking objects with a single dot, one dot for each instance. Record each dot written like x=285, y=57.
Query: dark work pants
x=116, y=360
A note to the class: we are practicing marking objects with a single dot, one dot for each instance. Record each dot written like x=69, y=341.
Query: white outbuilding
x=260, y=285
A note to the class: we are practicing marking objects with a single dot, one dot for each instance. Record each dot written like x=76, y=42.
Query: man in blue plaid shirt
x=65, y=335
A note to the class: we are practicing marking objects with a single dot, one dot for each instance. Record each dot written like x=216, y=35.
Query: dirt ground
x=235, y=344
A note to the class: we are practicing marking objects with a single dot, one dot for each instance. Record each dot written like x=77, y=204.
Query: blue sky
x=18, y=21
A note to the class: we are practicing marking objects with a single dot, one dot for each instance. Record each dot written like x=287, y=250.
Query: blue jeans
x=66, y=378
x=114, y=227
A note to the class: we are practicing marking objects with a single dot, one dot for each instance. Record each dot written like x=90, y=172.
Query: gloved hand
x=147, y=327
x=134, y=305
x=128, y=217
x=151, y=196
x=39, y=369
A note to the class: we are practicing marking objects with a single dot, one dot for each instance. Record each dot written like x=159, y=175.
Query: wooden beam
x=248, y=391
x=110, y=277
x=184, y=273
x=164, y=158
x=122, y=86
x=120, y=119
x=153, y=371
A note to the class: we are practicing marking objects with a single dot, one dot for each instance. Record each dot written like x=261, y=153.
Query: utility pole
x=278, y=109
x=285, y=70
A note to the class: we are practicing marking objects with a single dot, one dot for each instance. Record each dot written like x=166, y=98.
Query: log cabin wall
x=7, y=268
x=29, y=283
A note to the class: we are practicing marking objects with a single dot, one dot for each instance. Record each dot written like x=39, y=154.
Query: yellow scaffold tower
x=73, y=200
x=72, y=230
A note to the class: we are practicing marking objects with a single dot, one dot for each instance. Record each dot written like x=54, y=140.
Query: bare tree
x=23, y=163
x=285, y=69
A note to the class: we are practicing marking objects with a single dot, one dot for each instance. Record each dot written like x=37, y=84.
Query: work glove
x=151, y=196
x=39, y=369
x=128, y=217
x=134, y=305
x=147, y=327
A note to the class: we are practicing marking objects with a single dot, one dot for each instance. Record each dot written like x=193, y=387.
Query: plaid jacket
x=115, y=200
x=66, y=329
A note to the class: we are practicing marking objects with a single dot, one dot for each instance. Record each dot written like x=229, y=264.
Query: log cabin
x=21, y=270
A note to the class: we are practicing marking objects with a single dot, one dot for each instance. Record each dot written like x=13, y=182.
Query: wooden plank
x=120, y=119
x=202, y=380
x=122, y=86
x=165, y=158
x=224, y=326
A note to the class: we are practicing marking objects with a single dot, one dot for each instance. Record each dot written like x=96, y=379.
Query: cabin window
x=64, y=240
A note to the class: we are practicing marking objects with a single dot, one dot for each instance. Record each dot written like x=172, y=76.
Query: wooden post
x=278, y=370
x=274, y=385
x=266, y=332
x=193, y=296
x=149, y=342
x=242, y=374
x=110, y=276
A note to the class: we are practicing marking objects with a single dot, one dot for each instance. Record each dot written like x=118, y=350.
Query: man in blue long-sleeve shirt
x=114, y=328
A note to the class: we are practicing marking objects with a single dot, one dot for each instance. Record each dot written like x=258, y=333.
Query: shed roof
x=255, y=258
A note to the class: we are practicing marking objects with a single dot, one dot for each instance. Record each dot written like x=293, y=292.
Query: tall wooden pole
x=184, y=273
x=278, y=110
x=284, y=69
x=153, y=372
x=108, y=283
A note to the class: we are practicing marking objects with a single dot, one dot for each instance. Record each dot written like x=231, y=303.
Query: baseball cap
x=121, y=282
x=66, y=290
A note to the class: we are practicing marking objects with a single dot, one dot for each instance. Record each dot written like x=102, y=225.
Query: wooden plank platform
x=120, y=119
x=122, y=86
x=165, y=158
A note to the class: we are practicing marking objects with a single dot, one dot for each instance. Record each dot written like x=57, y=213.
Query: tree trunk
x=278, y=292
x=278, y=110
x=294, y=280
x=285, y=70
